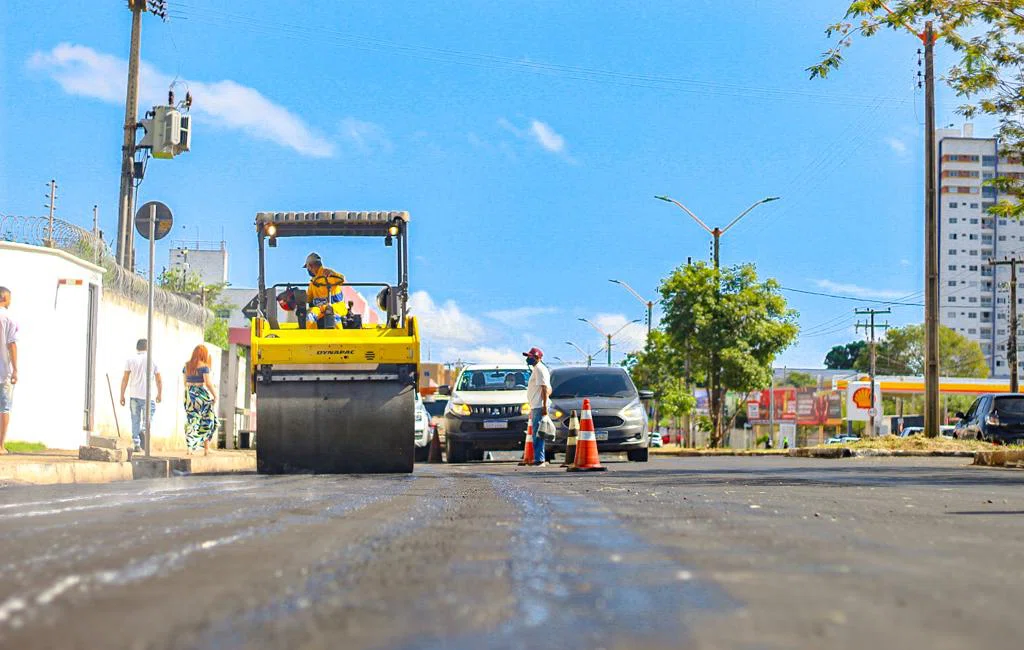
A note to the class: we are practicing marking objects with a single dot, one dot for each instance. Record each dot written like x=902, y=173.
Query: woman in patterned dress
x=200, y=418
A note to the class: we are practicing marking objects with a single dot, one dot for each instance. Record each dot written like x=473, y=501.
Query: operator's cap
x=536, y=353
x=311, y=258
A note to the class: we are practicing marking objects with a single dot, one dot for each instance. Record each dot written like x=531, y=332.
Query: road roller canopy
x=326, y=224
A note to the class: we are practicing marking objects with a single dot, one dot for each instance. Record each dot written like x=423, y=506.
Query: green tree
x=842, y=357
x=731, y=325
x=800, y=380
x=191, y=286
x=901, y=352
x=987, y=74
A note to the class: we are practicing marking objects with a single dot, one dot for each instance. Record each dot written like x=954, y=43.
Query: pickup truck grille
x=496, y=410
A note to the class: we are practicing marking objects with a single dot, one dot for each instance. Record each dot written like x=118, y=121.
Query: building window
x=988, y=192
x=952, y=267
x=952, y=220
x=974, y=252
x=970, y=331
x=949, y=314
x=972, y=236
x=988, y=176
x=974, y=221
x=952, y=251
x=988, y=161
x=974, y=206
x=951, y=283
x=1001, y=238
x=972, y=299
x=972, y=267
x=952, y=235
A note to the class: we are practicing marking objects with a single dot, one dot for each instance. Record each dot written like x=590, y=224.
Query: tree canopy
x=902, y=353
x=987, y=74
x=730, y=324
x=191, y=286
x=843, y=357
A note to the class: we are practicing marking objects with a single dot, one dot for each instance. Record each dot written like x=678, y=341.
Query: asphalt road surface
x=676, y=553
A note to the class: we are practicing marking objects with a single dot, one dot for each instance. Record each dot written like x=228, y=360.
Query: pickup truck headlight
x=555, y=413
x=458, y=408
x=524, y=409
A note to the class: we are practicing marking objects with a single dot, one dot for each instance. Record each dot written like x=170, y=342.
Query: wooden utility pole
x=1011, y=345
x=871, y=326
x=126, y=199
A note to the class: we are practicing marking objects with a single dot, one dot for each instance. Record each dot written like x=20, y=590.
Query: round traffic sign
x=164, y=219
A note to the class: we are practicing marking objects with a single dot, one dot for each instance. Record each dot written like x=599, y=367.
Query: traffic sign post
x=153, y=221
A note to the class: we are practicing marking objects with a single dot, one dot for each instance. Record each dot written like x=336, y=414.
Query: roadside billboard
x=803, y=406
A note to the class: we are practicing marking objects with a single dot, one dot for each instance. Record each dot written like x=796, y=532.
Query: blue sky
x=527, y=139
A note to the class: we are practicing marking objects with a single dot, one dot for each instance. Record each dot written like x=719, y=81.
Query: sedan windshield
x=591, y=383
x=496, y=379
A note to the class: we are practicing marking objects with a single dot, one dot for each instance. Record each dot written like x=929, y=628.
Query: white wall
x=49, y=400
x=122, y=323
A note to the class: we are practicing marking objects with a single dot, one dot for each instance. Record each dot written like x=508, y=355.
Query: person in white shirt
x=538, y=390
x=8, y=364
x=135, y=378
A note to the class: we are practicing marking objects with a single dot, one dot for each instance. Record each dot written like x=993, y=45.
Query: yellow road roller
x=335, y=397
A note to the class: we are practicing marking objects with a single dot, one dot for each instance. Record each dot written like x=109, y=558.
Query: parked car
x=487, y=411
x=840, y=440
x=911, y=431
x=996, y=418
x=656, y=440
x=620, y=420
x=424, y=430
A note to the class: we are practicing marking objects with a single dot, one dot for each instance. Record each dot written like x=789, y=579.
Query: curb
x=1000, y=458
x=690, y=453
x=84, y=471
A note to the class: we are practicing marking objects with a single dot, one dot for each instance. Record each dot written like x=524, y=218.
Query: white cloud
x=540, y=132
x=904, y=262
x=445, y=322
x=899, y=147
x=519, y=316
x=81, y=70
x=366, y=136
x=547, y=137
x=858, y=291
x=630, y=339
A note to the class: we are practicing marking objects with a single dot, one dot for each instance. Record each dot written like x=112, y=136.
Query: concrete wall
x=51, y=396
x=122, y=323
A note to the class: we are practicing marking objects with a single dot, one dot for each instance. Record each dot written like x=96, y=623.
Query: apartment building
x=973, y=295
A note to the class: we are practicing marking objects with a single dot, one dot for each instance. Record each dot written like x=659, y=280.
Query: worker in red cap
x=538, y=390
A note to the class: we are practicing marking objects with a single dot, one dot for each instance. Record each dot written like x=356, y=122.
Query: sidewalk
x=55, y=466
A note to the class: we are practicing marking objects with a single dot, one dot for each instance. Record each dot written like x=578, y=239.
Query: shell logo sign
x=862, y=397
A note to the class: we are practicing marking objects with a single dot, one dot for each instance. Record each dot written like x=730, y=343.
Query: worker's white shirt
x=8, y=335
x=136, y=369
x=540, y=376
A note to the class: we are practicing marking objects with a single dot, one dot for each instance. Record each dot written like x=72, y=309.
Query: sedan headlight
x=524, y=409
x=458, y=408
x=633, y=411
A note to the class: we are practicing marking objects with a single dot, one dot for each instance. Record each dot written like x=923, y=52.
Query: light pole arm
x=596, y=328
x=578, y=348
x=631, y=290
x=747, y=211
x=618, y=331
x=687, y=211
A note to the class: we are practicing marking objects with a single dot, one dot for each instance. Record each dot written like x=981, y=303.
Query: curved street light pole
x=649, y=303
x=716, y=233
x=609, y=337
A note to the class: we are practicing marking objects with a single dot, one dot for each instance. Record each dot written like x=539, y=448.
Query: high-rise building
x=973, y=295
x=208, y=260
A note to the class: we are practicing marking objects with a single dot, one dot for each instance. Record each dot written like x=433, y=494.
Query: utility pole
x=648, y=303
x=53, y=199
x=871, y=326
x=97, y=237
x=126, y=199
x=931, y=245
x=1011, y=351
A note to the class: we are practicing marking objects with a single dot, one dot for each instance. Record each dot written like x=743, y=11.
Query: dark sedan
x=620, y=420
x=996, y=418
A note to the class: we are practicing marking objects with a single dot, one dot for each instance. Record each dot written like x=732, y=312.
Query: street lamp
x=650, y=306
x=609, y=337
x=586, y=355
x=716, y=232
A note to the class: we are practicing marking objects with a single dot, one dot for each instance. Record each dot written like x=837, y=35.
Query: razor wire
x=89, y=246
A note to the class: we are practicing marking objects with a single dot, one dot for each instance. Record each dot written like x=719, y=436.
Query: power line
x=851, y=298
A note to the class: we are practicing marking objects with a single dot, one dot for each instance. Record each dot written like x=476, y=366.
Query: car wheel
x=637, y=455
x=454, y=452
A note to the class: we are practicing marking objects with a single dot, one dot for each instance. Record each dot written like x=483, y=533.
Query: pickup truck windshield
x=491, y=379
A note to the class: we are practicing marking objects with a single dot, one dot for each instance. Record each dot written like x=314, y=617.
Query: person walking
x=200, y=419
x=8, y=364
x=134, y=381
x=538, y=390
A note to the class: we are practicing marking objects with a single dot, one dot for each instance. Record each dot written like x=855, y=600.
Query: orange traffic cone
x=587, y=459
x=570, y=443
x=528, y=446
x=434, y=455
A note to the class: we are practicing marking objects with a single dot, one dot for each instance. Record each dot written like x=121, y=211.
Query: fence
x=89, y=246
